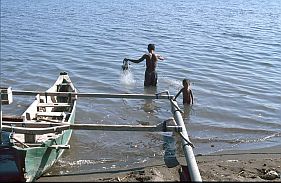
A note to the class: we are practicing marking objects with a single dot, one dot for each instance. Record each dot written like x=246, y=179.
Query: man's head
x=151, y=47
x=185, y=82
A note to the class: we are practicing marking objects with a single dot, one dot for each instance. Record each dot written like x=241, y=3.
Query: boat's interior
x=46, y=111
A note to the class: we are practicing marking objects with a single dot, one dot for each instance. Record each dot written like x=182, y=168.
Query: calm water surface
x=230, y=50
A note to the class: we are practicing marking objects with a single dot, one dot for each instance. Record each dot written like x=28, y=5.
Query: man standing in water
x=151, y=62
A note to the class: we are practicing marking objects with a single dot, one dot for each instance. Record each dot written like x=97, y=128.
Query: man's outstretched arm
x=136, y=61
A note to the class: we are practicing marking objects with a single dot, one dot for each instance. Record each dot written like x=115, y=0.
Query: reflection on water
x=169, y=146
x=149, y=104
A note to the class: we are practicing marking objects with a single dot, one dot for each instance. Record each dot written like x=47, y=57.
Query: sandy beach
x=242, y=166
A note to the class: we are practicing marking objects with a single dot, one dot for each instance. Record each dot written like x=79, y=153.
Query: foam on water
x=127, y=78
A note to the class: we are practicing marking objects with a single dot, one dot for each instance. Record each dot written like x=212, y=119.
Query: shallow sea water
x=230, y=50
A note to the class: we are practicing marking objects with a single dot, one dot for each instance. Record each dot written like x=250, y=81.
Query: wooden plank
x=50, y=114
x=64, y=84
x=53, y=105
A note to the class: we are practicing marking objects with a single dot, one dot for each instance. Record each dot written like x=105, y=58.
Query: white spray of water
x=127, y=78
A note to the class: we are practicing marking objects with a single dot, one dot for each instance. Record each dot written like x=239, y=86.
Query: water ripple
x=229, y=51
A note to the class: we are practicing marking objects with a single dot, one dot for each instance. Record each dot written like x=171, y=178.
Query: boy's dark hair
x=151, y=47
x=185, y=81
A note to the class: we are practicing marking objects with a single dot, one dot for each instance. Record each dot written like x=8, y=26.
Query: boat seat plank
x=53, y=105
x=50, y=114
x=64, y=84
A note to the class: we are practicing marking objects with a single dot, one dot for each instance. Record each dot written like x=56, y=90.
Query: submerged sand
x=245, y=166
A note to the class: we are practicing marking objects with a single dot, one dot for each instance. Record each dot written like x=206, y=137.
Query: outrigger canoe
x=31, y=143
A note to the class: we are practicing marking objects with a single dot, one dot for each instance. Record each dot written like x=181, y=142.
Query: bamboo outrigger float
x=33, y=144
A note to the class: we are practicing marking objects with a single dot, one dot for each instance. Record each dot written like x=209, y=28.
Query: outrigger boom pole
x=98, y=95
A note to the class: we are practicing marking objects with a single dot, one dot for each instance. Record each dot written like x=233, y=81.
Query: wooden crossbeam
x=60, y=146
x=105, y=127
x=38, y=128
x=95, y=95
x=53, y=105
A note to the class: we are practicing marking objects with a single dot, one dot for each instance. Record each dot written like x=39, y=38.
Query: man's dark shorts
x=150, y=78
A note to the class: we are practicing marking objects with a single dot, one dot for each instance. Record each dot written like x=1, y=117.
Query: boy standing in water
x=151, y=62
x=187, y=95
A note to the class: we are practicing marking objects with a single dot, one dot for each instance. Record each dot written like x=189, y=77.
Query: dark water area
x=230, y=50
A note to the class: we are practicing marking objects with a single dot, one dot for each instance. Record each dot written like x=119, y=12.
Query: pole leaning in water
x=189, y=155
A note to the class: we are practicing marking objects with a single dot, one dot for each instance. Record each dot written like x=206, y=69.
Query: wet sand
x=245, y=166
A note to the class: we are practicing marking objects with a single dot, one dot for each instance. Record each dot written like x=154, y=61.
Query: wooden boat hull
x=26, y=164
x=30, y=163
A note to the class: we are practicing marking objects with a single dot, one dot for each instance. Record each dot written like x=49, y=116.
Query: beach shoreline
x=256, y=165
